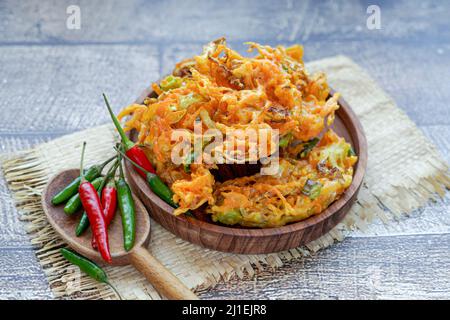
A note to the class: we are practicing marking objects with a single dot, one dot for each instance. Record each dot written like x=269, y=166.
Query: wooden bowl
x=255, y=241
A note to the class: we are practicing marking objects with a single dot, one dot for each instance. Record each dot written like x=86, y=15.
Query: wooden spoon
x=161, y=278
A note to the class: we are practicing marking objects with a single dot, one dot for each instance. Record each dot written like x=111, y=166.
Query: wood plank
x=440, y=135
x=397, y=267
x=401, y=267
x=20, y=275
x=58, y=89
x=201, y=21
x=433, y=218
x=411, y=73
x=82, y=73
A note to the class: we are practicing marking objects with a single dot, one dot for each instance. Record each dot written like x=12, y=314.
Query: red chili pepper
x=109, y=201
x=131, y=149
x=109, y=204
x=137, y=155
x=91, y=203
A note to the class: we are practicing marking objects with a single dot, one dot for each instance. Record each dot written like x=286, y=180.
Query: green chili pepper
x=89, y=267
x=74, y=203
x=155, y=183
x=312, y=189
x=162, y=190
x=82, y=225
x=127, y=211
x=72, y=189
x=308, y=146
x=84, y=221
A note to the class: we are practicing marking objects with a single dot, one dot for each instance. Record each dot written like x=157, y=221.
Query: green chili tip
x=74, y=203
x=89, y=267
x=82, y=225
x=155, y=183
x=72, y=188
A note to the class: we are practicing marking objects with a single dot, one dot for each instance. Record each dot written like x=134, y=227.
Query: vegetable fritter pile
x=227, y=91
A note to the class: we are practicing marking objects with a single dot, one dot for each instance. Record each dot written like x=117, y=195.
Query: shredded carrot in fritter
x=228, y=91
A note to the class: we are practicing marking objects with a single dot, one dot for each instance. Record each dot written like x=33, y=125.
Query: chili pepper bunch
x=100, y=195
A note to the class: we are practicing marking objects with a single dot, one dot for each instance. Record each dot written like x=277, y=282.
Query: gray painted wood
x=20, y=274
x=46, y=82
x=59, y=88
x=433, y=218
x=193, y=21
x=439, y=134
x=12, y=233
x=51, y=81
x=392, y=267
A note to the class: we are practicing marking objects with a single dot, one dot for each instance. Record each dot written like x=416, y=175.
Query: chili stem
x=114, y=289
x=81, y=162
x=121, y=169
x=155, y=183
x=126, y=142
x=134, y=163
x=107, y=161
x=111, y=172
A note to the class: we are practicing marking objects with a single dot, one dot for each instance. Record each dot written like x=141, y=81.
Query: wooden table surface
x=52, y=78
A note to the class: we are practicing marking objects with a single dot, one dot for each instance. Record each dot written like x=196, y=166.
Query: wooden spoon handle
x=161, y=278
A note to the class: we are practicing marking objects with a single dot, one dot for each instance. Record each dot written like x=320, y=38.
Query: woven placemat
x=398, y=180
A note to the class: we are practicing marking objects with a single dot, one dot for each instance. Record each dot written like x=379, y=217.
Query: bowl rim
x=353, y=124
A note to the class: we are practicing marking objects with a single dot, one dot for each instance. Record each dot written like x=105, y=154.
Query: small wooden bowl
x=256, y=241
